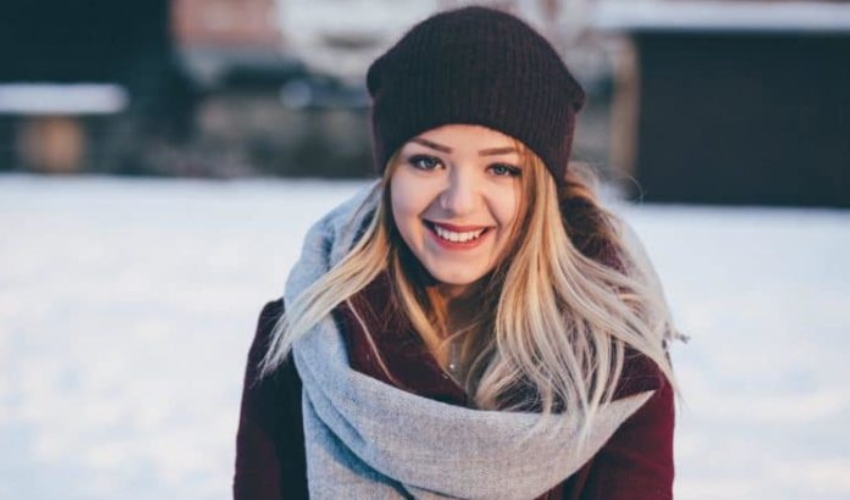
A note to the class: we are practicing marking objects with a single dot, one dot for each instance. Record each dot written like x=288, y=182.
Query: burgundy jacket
x=635, y=464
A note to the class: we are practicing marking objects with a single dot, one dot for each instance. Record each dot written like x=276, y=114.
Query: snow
x=127, y=308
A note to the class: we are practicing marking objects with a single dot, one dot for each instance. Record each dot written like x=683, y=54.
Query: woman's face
x=455, y=197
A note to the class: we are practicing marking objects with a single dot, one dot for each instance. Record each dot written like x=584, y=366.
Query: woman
x=474, y=325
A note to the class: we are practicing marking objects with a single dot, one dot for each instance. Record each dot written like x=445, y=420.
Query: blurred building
x=116, y=86
x=733, y=102
x=222, y=41
x=717, y=102
x=69, y=69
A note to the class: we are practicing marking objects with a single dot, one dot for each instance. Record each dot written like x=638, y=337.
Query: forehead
x=462, y=137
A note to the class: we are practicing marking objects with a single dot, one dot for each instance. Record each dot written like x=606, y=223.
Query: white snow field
x=127, y=308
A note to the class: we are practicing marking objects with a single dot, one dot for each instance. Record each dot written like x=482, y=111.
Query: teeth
x=457, y=237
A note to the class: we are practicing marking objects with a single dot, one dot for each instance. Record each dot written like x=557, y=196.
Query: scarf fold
x=367, y=439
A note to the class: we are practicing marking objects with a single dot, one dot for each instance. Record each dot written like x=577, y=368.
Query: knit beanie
x=475, y=66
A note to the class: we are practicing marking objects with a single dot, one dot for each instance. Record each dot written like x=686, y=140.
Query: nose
x=460, y=196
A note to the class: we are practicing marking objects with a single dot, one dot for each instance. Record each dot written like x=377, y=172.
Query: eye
x=503, y=169
x=424, y=162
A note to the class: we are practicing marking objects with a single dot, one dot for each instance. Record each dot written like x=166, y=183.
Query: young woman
x=474, y=325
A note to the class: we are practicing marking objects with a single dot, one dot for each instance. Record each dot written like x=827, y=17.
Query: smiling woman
x=455, y=197
x=474, y=325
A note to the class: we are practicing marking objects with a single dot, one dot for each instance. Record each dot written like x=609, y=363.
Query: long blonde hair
x=558, y=314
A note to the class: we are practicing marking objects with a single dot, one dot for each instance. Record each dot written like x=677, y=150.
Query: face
x=455, y=198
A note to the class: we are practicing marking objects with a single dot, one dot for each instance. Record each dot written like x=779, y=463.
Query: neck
x=459, y=315
x=461, y=307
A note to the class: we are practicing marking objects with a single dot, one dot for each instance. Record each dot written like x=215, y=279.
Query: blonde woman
x=474, y=325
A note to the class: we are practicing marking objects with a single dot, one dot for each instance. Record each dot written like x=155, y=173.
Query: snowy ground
x=126, y=309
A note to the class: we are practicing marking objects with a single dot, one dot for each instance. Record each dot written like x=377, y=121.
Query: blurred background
x=160, y=161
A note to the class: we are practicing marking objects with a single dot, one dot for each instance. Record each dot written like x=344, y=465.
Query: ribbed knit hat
x=475, y=66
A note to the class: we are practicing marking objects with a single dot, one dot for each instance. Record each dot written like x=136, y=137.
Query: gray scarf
x=368, y=440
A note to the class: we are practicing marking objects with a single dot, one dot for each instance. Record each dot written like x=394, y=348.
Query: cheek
x=507, y=214
x=507, y=210
x=412, y=195
x=403, y=203
x=398, y=195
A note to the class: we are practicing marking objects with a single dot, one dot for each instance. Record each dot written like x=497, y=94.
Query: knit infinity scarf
x=366, y=439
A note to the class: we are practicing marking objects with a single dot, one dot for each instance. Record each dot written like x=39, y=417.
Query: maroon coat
x=635, y=464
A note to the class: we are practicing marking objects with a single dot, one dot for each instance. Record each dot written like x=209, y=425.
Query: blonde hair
x=559, y=311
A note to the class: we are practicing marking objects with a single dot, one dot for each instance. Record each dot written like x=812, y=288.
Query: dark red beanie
x=475, y=66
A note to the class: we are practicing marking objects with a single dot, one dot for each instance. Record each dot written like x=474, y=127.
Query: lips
x=456, y=236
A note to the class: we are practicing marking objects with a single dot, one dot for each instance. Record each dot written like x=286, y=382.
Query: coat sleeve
x=637, y=462
x=270, y=461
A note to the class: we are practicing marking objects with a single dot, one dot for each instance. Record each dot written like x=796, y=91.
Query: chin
x=460, y=279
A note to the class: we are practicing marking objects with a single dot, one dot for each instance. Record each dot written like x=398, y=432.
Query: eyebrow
x=446, y=149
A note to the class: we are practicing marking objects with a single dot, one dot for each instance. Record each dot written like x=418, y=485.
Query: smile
x=456, y=234
x=457, y=237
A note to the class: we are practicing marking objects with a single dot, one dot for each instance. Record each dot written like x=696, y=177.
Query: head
x=457, y=103
x=457, y=196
